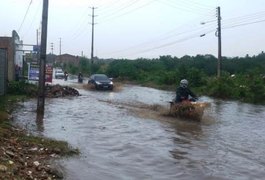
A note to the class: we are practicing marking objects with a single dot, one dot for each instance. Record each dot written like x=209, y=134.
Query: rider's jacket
x=183, y=94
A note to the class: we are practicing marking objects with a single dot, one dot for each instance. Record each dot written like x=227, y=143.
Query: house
x=13, y=47
x=3, y=72
x=67, y=59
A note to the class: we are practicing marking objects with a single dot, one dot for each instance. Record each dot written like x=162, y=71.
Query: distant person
x=80, y=77
x=183, y=93
x=17, y=71
x=65, y=75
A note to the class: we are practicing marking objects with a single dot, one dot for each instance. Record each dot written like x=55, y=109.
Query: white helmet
x=184, y=83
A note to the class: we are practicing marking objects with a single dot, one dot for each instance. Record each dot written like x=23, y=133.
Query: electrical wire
x=243, y=24
x=114, y=16
x=193, y=5
x=25, y=16
x=34, y=17
x=110, y=5
x=244, y=19
x=119, y=7
x=80, y=26
x=186, y=8
x=168, y=44
x=199, y=31
x=132, y=10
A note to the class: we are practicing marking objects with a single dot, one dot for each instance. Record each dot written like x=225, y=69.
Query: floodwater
x=121, y=137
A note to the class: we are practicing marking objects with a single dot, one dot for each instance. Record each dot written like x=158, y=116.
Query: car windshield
x=101, y=78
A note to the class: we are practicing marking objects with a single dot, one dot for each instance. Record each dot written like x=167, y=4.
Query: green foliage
x=21, y=88
x=200, y=71
x=245, y=87
x=196, y=77
x=220, y=87
x=71, y=69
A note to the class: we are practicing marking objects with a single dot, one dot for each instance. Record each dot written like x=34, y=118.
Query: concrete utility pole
x=41, y=90
x=92, y=41
x=37, y=37
x=60, y=46
x=38, y=47
x=52, y=48
x=219, y=42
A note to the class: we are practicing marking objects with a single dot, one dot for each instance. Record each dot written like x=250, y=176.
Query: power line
x=193, y=4
x=261, y=13
x=110, y=6
x=25, y=15
x=244, y=24
x=144, y=44
x=34, y=17
x=146, y=4
x=146, y=49
x=244, y=20
x=186, y=8
x=114, y=15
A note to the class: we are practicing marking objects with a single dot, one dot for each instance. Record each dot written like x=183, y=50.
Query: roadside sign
x=48, y=74
x=33, y=73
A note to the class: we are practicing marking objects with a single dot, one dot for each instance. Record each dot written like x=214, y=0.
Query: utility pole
x=52, y=48
x=38, y=47
x=60, y=46
x=92, y=41
x=41, y=90
x=37, y=37
x=219, y=42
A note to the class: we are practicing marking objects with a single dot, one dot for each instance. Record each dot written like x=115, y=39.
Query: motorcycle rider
x=65, y=75
x=184, y=93
x=80, y=77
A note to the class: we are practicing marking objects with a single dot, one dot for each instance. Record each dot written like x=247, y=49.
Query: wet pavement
x=120, y=137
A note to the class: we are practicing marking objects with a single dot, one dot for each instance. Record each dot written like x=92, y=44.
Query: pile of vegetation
x=31, y=90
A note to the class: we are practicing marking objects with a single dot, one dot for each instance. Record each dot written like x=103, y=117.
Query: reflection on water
x=121, y=137
x=39, y=122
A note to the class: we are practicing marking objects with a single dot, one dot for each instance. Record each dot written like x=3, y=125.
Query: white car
x=59, y=74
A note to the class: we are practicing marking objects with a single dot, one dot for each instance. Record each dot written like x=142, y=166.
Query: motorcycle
x=80, y=79
x=187, y=109
x=65, y=76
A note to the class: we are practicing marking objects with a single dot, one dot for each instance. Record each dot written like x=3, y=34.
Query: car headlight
x=98, y=83
x=111, y=83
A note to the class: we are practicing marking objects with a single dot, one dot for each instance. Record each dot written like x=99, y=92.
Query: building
x=3, y=71
x=67, y=59
x=13, y=47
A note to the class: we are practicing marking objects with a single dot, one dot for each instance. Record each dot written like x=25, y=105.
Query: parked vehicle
x=59, y=74
x=101, y=81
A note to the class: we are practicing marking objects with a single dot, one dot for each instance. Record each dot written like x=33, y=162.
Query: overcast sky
x=140, y=28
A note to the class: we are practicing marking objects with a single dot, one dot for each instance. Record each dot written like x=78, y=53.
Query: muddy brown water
x=120, y=136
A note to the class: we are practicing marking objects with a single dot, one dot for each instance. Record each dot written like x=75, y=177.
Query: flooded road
x=121, y=137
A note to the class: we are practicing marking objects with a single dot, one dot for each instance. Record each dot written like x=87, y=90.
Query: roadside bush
x=21, y=88
x=220, y=87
